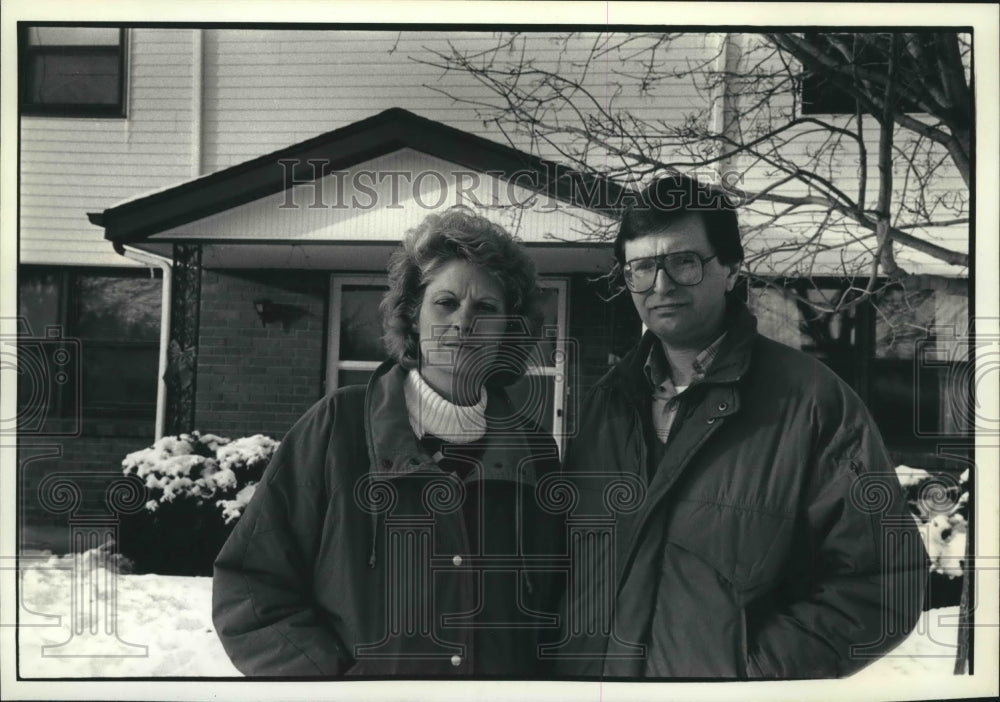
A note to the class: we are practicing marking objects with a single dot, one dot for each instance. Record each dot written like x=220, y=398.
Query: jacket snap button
x=456, y=660
x=723, y=406
x=457, y=560
x=711, y=420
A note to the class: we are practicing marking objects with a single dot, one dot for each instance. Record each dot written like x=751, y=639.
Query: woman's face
x=460, y=322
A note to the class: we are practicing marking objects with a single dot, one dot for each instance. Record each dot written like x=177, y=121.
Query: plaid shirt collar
x=657, y=370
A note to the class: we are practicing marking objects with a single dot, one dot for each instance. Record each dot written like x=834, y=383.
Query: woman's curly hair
x=459, y=234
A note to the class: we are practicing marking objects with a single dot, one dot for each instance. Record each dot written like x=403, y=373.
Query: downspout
x=165, y=265
x=197, y=90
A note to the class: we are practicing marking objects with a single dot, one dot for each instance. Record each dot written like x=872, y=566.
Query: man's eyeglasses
x=684, y=268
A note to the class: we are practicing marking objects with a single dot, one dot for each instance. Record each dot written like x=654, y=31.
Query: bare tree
x=854, y=189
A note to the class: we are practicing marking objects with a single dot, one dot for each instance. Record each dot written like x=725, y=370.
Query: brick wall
x=254, y=378
x=260, y=379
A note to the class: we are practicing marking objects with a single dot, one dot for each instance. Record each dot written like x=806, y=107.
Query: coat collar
x=395, y=451
x=729, y=365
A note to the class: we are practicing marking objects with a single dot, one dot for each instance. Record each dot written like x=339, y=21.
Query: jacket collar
x=729, y=365
x=395, y=451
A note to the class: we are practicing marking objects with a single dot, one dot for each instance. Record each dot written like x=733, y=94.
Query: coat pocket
x=716, y=560
x=745, y=546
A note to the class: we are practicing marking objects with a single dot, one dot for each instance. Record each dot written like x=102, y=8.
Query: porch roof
x=135, y=221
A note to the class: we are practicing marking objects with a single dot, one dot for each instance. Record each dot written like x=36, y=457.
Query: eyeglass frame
x=658, y=261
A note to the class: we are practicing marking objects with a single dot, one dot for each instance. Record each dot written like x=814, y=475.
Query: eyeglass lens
x=683, y=269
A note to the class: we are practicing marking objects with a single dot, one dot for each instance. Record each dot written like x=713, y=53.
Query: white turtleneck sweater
x=430, y=413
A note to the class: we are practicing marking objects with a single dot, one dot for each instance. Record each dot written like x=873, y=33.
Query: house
x=279, y=263
x=247, y=187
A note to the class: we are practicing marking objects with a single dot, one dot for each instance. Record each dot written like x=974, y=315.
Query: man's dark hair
x=673, y=197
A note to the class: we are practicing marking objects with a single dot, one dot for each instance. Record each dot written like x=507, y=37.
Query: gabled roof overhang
x=389, y=131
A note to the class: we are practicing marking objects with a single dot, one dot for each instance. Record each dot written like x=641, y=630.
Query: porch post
x=182, y=352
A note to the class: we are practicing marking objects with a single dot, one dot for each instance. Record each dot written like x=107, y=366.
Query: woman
x=390, y=533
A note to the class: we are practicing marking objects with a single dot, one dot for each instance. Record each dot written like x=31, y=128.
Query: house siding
x=71, y=166
x=265, y=89
x=261, y=90
x=839, y=251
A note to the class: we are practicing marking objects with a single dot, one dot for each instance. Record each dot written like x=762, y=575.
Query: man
x=768, y=536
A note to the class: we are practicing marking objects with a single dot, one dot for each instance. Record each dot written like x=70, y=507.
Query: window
x=112, y=320
x=905, y=355
x=542, y=391
x=72, y=71
x=356, y=349
x=821, y=96
x=918, y=380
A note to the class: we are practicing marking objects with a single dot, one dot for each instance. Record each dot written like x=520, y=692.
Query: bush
x=940, y=505
x=198, y=485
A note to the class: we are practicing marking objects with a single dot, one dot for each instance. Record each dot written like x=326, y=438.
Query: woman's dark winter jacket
x=355, y=555
x=771, y=540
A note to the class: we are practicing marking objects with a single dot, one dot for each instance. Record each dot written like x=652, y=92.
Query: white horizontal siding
x=57, y=251
x=72, y=166
x=268, y=88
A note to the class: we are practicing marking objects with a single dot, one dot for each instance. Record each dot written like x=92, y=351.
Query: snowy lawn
x=171, y=617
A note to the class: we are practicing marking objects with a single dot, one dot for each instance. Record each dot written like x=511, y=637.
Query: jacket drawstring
x=371, y=557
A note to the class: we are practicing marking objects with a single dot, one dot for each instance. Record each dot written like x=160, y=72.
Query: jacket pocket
x=745, y=546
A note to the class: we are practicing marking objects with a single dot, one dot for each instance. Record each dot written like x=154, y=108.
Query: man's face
x=683, y=317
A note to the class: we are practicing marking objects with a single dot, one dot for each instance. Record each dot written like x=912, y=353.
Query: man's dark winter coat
x=772, y=539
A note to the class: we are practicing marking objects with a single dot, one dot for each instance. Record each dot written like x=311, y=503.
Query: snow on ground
x=929, y=650
x=171, y=617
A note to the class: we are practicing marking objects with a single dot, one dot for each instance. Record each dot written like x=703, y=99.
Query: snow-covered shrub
x=198, y=485
x=202, y=467
x=232, y=509
x=940, y=505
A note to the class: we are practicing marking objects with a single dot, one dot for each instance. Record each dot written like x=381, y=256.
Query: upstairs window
x=821, y=95
x=72, y=71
